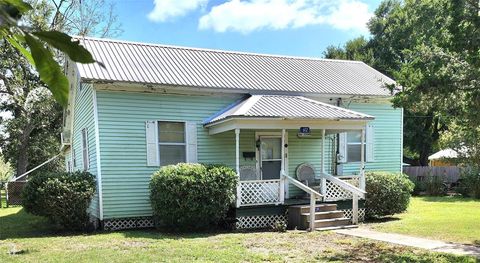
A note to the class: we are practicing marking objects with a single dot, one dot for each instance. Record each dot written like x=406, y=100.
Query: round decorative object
x=306, y=173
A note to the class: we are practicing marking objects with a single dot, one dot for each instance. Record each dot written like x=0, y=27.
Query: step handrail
x=347, y=186
x=302, y=186
x=313, y=197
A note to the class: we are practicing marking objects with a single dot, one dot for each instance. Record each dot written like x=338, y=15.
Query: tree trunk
x=22, y=160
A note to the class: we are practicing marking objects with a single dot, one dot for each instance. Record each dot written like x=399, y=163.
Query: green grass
x=454, y=219
x=34, y=240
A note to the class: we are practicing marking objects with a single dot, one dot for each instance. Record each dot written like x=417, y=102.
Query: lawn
x=34, y=240
x=454, y=219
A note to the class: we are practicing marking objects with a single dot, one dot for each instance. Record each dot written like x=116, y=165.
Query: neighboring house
x=445, y=157
x=263, y=115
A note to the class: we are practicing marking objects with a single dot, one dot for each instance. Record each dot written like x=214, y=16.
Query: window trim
x=159, y=144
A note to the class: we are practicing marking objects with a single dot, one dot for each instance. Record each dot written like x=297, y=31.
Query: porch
x=270, y=178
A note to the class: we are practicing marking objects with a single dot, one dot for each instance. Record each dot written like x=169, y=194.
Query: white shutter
x=370, y=140
x=152, y=143
x=342, y=147
x=191, y=130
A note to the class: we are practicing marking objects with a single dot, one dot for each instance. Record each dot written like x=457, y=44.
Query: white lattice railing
x=335, y=192
x=258, y=192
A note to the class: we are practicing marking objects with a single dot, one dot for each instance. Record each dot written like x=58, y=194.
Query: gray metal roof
x=254, y=73
x=286, y=107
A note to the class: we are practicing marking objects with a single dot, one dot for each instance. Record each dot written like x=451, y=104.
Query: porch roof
x=285, y=111
x=286, y=107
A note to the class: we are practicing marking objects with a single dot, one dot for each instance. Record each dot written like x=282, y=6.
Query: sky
x=284, y=27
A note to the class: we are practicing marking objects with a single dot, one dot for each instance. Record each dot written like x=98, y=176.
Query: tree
x=431, y=48
x=31, y=135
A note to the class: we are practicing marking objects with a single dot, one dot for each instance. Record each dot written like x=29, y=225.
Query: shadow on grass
x=381, y=220
x=379, y=252
x=447, y=199
x=23, y=225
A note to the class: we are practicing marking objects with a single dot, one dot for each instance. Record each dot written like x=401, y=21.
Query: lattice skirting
x=128, y=223
x=262, y=221
x=349, y=213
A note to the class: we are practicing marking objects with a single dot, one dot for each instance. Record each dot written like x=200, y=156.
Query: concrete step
x=343, y=221
x=335, y=227
x=325, y=215
x=318, y=208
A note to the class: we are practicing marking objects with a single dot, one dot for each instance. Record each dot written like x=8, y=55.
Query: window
x=85, y=160
x=354, y=146
x=171, y=142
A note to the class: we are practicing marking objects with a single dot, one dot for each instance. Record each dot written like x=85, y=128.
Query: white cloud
x=251, y=15
x=164, y=10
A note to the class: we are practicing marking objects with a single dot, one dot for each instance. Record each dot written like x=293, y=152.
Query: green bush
x=387, y=193
x=61, y=197
x=470, y=183
x=435, y=186
x=192, y=196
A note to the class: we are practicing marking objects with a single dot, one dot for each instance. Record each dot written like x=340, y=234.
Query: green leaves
x=49, y=70
x=64, y=43
x=39, y=55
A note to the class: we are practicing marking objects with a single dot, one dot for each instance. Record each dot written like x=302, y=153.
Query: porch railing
x=314, y=195
x=259, y=192
x=335, y=189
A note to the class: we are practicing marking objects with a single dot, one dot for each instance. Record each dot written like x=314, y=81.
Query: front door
x=270, y=157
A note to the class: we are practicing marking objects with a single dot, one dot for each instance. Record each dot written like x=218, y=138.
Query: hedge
x=192, y=196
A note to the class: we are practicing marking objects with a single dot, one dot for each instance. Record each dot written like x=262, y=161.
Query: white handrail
x=313, y=198
x=302, y=186
x=349, y=187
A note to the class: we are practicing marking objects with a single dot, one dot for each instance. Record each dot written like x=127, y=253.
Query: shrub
x=61, y=197
x=387, y=193
x=470, y=183
x=435, y=186
x=192, y=196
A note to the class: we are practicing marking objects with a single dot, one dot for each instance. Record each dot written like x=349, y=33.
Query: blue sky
x=288, y=27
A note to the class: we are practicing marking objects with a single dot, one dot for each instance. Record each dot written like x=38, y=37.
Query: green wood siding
x=122, y=116
x=84, y=118
x=125, y=175
x=388, y=138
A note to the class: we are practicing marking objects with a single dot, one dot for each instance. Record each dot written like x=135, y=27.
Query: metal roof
x=253, y=73
x=285, y=107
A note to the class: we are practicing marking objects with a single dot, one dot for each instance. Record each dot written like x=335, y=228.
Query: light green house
x=268, y=117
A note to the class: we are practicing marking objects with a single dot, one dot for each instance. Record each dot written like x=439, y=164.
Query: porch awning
x=282, y=111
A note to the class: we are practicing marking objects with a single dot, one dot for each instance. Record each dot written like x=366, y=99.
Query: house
x=445, y=157
x=268, y=117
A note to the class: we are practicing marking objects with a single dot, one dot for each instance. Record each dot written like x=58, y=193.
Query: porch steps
x=327, y=217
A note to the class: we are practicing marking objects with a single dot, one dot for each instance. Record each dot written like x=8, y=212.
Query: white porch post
x=362, y=161
x=355, y=209
x=282, y=171
x=323, y=187
x=237, y=166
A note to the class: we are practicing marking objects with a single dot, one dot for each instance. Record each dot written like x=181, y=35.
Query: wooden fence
x=450, y=174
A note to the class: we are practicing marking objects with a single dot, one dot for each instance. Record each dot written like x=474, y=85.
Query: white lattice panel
x=335, y=192
x=259, y=192
x=263, y=221
x=349, y=213
x=128, y=223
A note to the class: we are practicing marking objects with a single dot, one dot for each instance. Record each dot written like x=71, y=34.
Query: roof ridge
x=218, y=50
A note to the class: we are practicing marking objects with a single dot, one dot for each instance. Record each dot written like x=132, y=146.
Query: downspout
x=337, y=139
